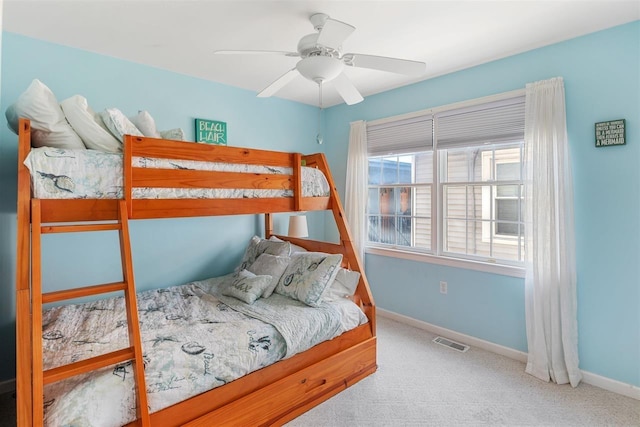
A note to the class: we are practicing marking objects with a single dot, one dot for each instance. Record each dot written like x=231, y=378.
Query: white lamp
x=298, y=226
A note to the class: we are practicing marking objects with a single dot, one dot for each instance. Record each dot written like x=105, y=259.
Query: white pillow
x=118, y=124
x=49, y=127
x=175, y=134
x=308, y=276
x=271, y=265
x=88, y=125
x=247, y=287
x=343, y=286
x=145, y=123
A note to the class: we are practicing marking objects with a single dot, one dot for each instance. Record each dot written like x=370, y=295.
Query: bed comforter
x=194, y=339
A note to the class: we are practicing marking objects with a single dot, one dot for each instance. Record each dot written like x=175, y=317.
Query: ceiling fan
x=322, y=60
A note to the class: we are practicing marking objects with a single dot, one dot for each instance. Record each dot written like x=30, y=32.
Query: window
x=448, y=182
x=481, y=202
x=399, y=202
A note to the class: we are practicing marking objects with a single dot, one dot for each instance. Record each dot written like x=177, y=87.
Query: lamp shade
x=298, y=226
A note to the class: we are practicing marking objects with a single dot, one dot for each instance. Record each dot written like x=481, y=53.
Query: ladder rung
x=79, y=228
x=86, y=291
x=77, y=368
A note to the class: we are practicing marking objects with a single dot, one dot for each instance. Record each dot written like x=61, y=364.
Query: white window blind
x=408, y=135
x=493, y=122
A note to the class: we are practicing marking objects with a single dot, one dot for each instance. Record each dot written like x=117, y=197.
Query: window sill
x=486, y=267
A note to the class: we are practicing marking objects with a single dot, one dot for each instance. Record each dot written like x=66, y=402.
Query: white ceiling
x=181, y=35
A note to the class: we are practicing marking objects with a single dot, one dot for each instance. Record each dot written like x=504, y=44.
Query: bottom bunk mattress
x=194, y=339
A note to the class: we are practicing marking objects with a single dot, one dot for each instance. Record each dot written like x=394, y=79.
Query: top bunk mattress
x=89, y=174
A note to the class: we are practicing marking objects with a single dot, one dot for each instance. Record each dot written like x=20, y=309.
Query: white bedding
x=89, y=174
x=192, y=342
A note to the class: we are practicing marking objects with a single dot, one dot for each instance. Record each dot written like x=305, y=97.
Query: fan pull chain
x=319, y=134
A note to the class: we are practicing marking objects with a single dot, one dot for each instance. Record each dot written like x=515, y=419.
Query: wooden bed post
x=268, y=225
x=24, y=404
x=297, y=180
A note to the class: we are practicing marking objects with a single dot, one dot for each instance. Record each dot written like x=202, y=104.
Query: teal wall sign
x=610, y=133
x=211, y=132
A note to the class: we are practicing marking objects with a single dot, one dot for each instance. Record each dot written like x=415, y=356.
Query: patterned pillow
x=308, y=276
x=247, y=287
x=270, y=265
x=118, y=124
x=258, y=246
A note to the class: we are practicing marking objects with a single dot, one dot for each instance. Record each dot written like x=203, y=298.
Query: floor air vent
x=451, y=344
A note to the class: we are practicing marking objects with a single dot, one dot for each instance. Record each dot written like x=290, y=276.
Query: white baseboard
x=457, y=336
x=7, y=386
x=611, y=385
x=605, y=383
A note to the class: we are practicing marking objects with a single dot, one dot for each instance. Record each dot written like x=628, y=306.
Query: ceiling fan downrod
x=319, y=138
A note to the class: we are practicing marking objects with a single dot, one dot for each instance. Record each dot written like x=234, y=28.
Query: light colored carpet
x=419, y=383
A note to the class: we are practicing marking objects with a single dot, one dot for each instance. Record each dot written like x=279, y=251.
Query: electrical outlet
x=443, y=287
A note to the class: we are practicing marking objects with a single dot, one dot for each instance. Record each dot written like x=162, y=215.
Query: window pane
x=422, y=234
x=508, y=171
x=508, y=163
x=375, y=171
x=457, y=166
x=373, y=230
x=405, y=169
x=508, y=191
x=475, y=198
x=422, y=222
x=455, y=235
x=387, y=200
x=387, y=230
x=373, y=205
x=455, y=205
x=403, y=232
x=389, y=170
x=423, y=163
x=404, y=201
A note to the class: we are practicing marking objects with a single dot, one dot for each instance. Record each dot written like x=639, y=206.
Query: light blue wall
x=602, y=81
x=165, y=252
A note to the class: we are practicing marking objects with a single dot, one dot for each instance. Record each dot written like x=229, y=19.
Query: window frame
x=414, y=216
x=436, y=255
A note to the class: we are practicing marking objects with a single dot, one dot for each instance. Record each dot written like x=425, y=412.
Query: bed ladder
x=133, y=352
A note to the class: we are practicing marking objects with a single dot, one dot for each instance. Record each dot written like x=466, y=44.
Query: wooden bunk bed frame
x=270, y=396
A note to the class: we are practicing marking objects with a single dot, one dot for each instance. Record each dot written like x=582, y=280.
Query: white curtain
x=550, y=284
x=356, y=190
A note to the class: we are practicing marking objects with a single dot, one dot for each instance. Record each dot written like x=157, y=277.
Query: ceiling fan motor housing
x=308, y=46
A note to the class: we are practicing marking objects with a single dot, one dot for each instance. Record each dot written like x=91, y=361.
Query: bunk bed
x=271, y=395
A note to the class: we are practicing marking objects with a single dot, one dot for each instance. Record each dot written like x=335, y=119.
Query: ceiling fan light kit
x=322, y=60
x=320, y=68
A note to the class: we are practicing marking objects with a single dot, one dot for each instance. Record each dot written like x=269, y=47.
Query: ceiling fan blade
x=254, y=52
x=334, y=32
x=346, y=89
x=278, y=84
x=384, y=63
